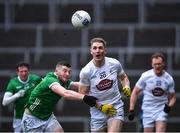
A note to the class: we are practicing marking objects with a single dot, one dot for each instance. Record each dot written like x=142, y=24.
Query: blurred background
x=40, y=32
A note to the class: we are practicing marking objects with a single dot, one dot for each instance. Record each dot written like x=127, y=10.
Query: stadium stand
x=120, y=13
x=40, y=32
x=16, y=37
x=61, y=37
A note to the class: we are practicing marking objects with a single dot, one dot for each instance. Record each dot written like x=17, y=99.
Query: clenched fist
x=127, y=91
x=107, y=109
x=20, y=93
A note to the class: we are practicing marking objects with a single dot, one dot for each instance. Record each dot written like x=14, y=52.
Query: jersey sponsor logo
x=19, y=87
x=157, y=91
x=104, y=84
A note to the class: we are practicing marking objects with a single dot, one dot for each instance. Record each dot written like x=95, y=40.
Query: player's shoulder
x=111, y=60
x=87, y=69
x=14, y=79
x=50, y=78
x=168, y=76
x=148, y=73
x=88, y=66
x=50, y=75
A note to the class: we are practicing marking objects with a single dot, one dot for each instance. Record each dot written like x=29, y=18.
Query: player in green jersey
x=38, y=115
x=18, y=91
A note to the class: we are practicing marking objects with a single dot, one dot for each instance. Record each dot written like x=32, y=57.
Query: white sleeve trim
x=70, y=85
x=53, y=84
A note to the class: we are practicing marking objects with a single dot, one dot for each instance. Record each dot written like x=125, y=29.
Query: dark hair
x=156, y=55
x=98, y=39
x=22, y=63
x=63, y=63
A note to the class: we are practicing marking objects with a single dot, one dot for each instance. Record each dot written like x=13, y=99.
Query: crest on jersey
x=157, y=91
x=104, y=84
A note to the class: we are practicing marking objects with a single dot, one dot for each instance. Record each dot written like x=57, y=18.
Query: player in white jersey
x=100, y=78
x=159, y=95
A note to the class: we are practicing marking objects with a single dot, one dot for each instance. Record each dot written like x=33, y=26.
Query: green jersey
x=43, y=100
x=16, y=85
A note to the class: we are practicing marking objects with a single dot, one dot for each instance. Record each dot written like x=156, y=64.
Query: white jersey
x=155, y=89
x=103, y=81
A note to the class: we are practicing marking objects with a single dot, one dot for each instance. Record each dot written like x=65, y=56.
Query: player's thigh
x=32, y=124
x=115, y=125
x=17, y=125
x=53, y=125
x=18, y=129
x=161, y=120
x=149, y=129
x=99, y=124
x=160, y=126
x=100, y=130
x=148, y=121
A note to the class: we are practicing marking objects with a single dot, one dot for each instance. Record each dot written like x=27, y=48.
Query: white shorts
x=31, y=123
x=149, y=118
x=99, y=119
x=17, y=125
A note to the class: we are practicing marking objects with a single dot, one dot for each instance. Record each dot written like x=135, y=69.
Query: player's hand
x=20, y=93
x=167, y=108
x=90, y=100
x=107, y=109
x=127, y=91
x=131, y=115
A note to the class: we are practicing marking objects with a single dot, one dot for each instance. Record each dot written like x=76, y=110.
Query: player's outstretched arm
x=72, y=95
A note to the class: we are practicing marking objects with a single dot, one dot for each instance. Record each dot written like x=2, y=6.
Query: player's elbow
x=174, y=99
x=4, y=103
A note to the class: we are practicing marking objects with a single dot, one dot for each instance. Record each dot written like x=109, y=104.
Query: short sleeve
x=84, y=77
x=141, y=82
x=119, y=67
x=10, y=87
x=171, y=86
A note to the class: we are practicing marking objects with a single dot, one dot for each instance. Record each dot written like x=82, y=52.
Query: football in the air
x=81, y=19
